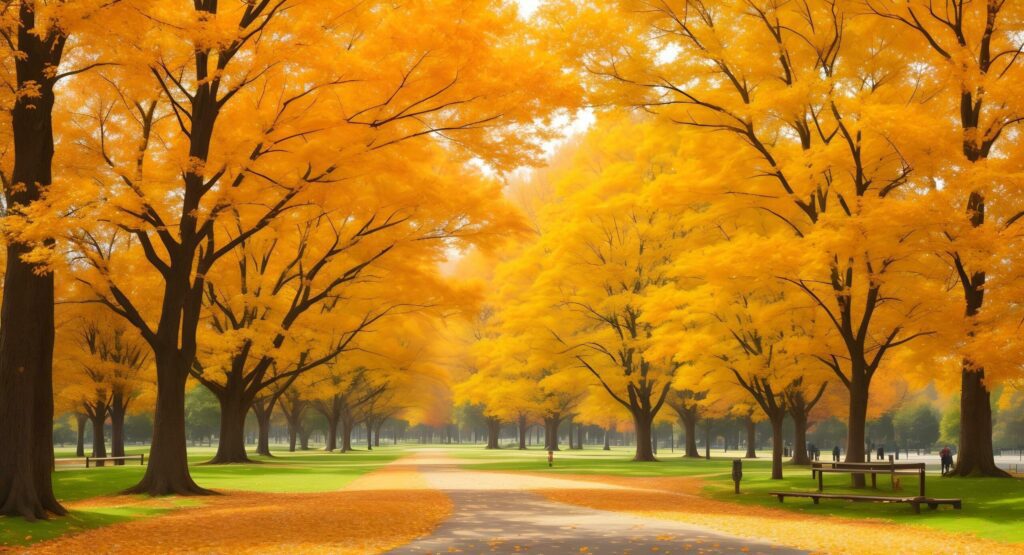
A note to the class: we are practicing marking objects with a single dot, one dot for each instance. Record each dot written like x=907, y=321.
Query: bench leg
x=956, y=505
x=816, y=500
x=917, y=508
x=781, y=497
x=933, y=506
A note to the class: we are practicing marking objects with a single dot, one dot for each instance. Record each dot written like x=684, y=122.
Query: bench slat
x=915, y=502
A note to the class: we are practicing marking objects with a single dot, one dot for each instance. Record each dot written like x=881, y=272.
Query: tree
x=254, y=102
x=35, y=35
x=103, y=368
x=687, y=406
x=799, y=116
x=916, y=425
x=973, y=49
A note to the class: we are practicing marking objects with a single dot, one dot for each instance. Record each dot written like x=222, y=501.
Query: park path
x=505, y=513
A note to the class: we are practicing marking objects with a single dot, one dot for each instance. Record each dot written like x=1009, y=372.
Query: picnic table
x=893, y=469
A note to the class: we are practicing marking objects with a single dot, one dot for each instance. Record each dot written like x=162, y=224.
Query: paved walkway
x=497, y=513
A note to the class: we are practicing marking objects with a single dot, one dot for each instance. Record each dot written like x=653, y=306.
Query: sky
x=527, y=7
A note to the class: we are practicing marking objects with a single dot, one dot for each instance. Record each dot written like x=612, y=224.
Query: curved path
x=497, y=513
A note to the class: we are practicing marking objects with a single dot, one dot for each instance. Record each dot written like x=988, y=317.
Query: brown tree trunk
x=263, y=409
x=346, y=433
x=292, y=436
x=376, y=432
x=975, y=456
x=522, y=432
x=551, y=433
x=99, y=444
x=304, y=439
x=118, y=408
x=579, y=436
x=690, y=425
x=856, y=421
x=167, y=472
x=777, y=445
x=26, y=313
x=493, y=429
x=369, y=435
x=294, y=419
x=800, y=439
x=81, y=420
x=644, y=449
x=751, y=438
x=607, y=439
x=231, y=443
x=332, y=434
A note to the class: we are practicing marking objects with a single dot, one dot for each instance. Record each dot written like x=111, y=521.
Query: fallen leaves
x=357, y=520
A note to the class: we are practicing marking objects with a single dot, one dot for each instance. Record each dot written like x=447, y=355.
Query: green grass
x=993, y=508
x=300, y=472
x=19, y=532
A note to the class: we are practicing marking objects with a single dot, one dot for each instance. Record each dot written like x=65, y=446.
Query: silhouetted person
x=946, y=457
x=835, y=454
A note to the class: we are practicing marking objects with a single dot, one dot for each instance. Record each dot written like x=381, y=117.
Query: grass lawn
x=300, y=472
x=993, y=508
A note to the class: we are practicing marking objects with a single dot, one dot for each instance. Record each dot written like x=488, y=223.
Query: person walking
x=835, y=454
x=946, y=458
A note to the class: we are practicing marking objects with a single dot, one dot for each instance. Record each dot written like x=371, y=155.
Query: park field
x=695, y=491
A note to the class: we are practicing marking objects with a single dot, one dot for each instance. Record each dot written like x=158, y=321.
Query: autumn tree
x=973, y=50
x=102, y=372
x=797, y=97
x=262, y=109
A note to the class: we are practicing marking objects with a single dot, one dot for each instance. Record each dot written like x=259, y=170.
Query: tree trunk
x=81, y=419
x=800, y=438
x=264, y=409
x=751, y=438
x=294, y=419
x=707, y=440
x=346, y=433
x=99, y=444
x=579, y=436
x=231, y=443
x=857, y=424
x=26, y=313
x=522, y=432
x=376, y=432
x=777, y=446
x=304, y=439
x=167, y=472
x=690, y=425
x=493, y=429
x=551, y=433
x=118, y=408
x=369, y=435
x=975, y=456
x=607, y=439
x=332, y=434
x=644, y=449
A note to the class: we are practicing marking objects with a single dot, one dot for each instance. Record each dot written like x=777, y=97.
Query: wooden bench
x=914, y=502
x=818, y=469
x=141, y=457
